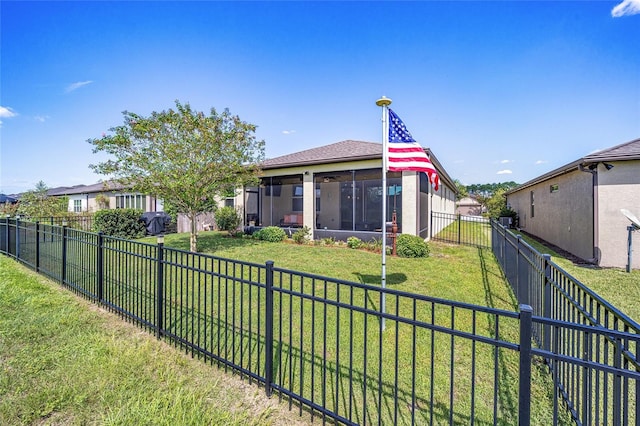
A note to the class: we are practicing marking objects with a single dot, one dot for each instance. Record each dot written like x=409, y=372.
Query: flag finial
x=383, y=101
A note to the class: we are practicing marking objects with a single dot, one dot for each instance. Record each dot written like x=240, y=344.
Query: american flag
x=404, y=153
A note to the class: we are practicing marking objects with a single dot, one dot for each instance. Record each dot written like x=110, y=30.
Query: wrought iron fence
x=599, y=336
x=460, y=229
x=319, y=342
x=76, y=221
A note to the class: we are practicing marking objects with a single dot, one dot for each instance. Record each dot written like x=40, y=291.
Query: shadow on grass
x=392, y=279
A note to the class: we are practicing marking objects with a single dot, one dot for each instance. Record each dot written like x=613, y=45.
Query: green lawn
x=65, y=361
x=615, y=285
x=464, y=274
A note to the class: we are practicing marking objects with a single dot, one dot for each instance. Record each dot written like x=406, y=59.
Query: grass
x=455, y=368
x=65, y=361
x=464, y=274
x=615, y=285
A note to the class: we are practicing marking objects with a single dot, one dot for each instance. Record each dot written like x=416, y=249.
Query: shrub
x=122, y=223
x=375, y=245
x=227, y=219
x=411, y=246
x=271, y=233
x=354, y=242
x=329, y=241
x=301, y=235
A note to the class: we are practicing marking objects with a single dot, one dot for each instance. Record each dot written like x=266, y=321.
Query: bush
x=411, y=246
x=329, y=241
x=271, y=233
x=301, y=235
x=227, y=219
x=375, y=245
x=122, y=223
x=354, y=242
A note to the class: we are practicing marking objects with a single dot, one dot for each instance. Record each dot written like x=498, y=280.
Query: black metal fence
x=460, y=229
x=600, y=334
x=76, y=221
x=320, y=342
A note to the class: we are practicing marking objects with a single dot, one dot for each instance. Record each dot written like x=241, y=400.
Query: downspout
x=594, y=214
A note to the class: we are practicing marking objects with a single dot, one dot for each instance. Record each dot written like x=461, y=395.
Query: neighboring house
x=105, y=195
x=577, y=207
x=469, y=206
x=336, y=191
x=7, y=199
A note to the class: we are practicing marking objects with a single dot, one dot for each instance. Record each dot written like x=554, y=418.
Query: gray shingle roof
x=623, y=152
x=626, y=151
x=336, y=152
x=85, y=189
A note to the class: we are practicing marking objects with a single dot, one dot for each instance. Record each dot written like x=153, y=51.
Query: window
x=229, y=202
x=131, y=202
x=77, y=206
x=553, y=188
x=296, y=199
x=318, y=197
x=532, y=203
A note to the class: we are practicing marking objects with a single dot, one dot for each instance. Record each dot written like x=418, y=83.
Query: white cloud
x=504, y=172
x=41, y=118
x=6, y=112
x=288, y=132
x=505, y=161
x=541, y=162
x=627, y=7
x=77, y=85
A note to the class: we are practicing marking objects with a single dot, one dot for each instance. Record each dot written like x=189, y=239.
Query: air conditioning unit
x=506, y=221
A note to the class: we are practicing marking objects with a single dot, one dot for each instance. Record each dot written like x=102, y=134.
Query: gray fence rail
x=319, y=342
x=593, y=396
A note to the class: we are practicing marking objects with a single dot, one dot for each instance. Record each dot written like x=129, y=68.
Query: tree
x=36, y=203
x=184, y=157
x=462, y=190
x=496, y=203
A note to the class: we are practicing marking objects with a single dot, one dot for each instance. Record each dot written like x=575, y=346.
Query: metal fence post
x=63, y=273
x=546, y=338
x=37, y=246
x=8, y=237
x=100, y=268
x=524, y=379
x=160, y=287
x=521, y=284
x=18, y=238
x=459, y=228
x=268, y=334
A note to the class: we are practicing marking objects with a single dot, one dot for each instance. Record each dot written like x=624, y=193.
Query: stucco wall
x=563, y=217
x=619, y=188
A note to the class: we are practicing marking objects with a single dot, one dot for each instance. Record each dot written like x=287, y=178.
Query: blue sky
x=499, y=91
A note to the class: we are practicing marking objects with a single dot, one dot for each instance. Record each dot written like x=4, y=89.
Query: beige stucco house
x=577, y=207
x=105, y=195
x=469, y=206
x=336, y=191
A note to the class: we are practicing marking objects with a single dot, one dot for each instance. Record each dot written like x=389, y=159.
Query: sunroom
x=336, y=191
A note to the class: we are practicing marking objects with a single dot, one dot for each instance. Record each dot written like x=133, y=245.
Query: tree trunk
x=193, y=241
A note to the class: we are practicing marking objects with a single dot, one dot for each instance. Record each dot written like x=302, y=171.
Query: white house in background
x=105, y=195
x=577, y=206
x=336, y=191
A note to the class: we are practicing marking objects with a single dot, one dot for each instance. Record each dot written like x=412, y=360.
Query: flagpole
x=384, y=102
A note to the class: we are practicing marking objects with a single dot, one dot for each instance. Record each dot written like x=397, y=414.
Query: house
x=577, y=206
x=469, y=206
x=105, y=195
x=336, y=191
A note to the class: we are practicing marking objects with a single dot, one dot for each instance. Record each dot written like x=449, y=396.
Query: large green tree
x=182, y=156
